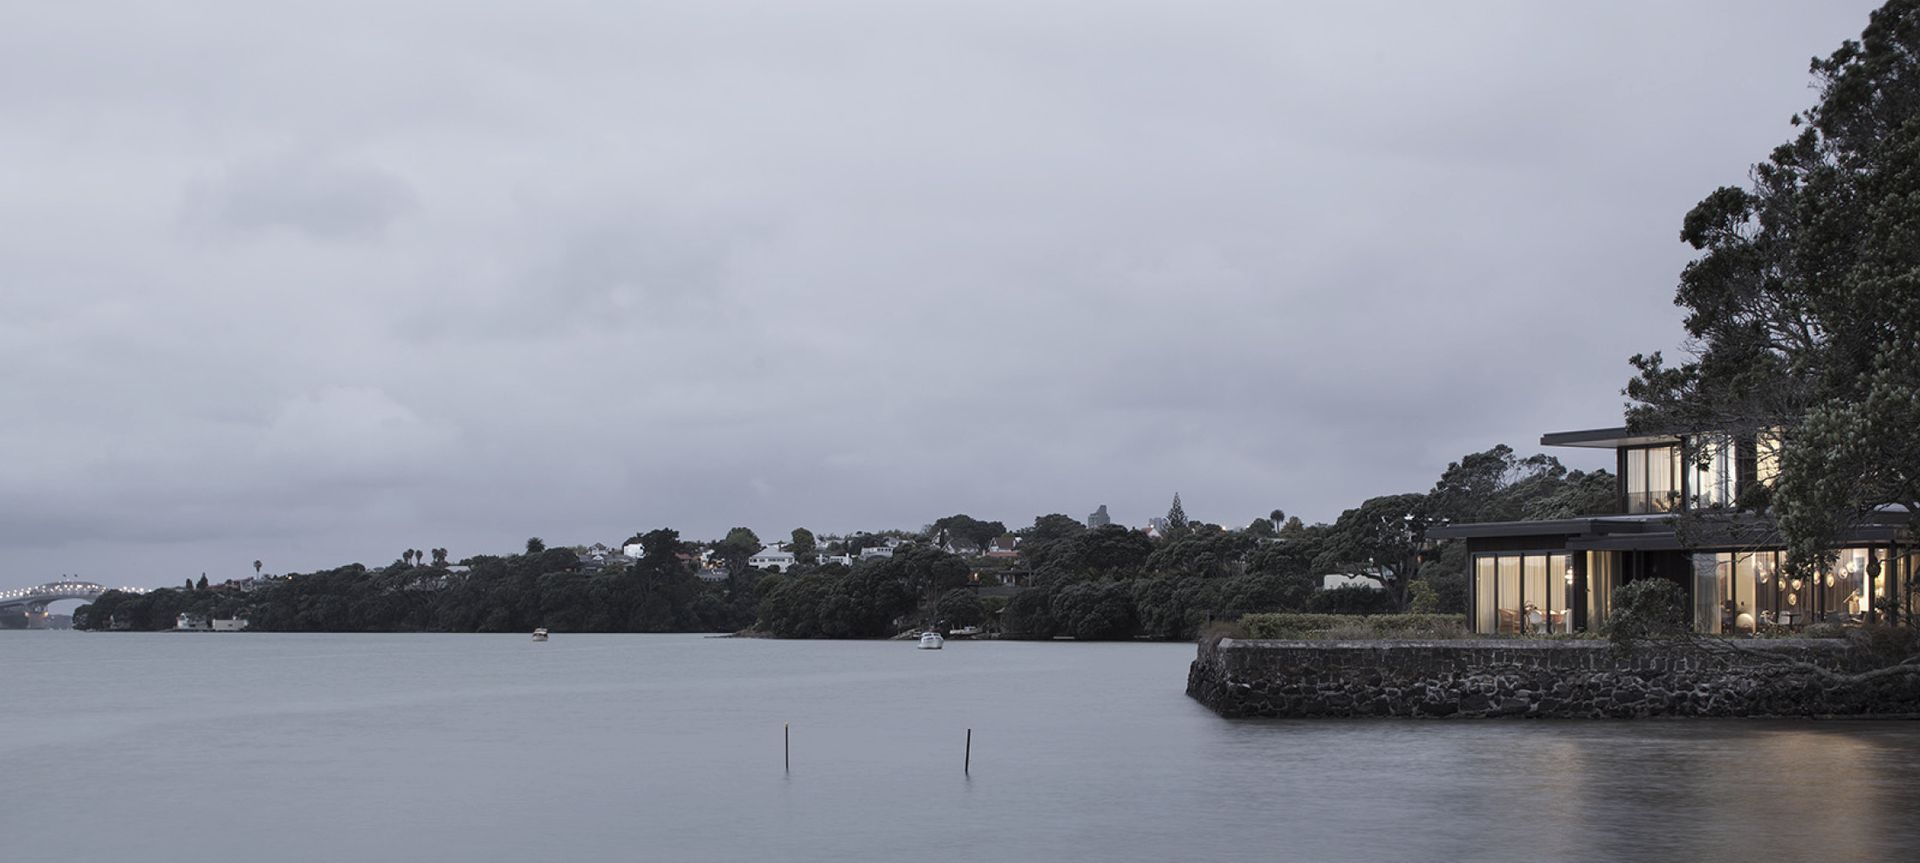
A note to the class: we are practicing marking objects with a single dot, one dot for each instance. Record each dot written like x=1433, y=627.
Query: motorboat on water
x=540, y=634
x=964, y=632
x=931, y=640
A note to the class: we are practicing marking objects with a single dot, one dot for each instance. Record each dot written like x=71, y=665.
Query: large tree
x=1803, y=306
x=1383, y=532
x=806, y=549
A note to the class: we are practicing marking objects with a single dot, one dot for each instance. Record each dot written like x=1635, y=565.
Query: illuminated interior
x=1744, y=591
x=1522, y=593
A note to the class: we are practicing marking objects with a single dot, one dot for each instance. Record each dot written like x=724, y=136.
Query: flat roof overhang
x=1660, y=534
x=1552, y=527
x=1607, y=438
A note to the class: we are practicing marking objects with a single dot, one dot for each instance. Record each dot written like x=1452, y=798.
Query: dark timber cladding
x=1558, y=575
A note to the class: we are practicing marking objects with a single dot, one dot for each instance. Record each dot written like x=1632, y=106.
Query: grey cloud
x=315, y=198
x=313, y=285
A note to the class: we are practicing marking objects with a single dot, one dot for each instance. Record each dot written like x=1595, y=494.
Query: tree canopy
x=1803, y=305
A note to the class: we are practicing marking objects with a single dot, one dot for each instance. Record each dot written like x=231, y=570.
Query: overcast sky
x=316, y=283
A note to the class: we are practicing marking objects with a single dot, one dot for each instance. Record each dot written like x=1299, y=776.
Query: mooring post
x=968, y=767
x=786, y=732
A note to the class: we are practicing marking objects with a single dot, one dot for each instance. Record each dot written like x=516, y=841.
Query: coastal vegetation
x=1063, y=579
x=1803, y=306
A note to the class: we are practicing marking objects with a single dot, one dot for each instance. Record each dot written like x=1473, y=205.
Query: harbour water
x=232, y=747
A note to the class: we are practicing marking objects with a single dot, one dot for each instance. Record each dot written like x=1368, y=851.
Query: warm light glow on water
x=440, y=747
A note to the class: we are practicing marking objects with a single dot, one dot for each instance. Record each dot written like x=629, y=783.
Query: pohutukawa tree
x=1803, y=307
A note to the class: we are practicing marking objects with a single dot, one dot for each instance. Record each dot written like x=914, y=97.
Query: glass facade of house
x=1519, y=593
x=1522, y=592
x=1737, y=592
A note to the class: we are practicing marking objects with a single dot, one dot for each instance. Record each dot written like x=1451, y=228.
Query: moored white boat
x=931, y=640
x=540, y=634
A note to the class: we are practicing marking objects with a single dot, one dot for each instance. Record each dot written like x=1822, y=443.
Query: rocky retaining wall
x=1554, y=679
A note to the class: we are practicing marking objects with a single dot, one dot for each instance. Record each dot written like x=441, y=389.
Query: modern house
x=1674, y=519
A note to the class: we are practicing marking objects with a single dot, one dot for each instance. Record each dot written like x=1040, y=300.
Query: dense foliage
x=1803, y=306
x=1105, y=583
x=543, y=587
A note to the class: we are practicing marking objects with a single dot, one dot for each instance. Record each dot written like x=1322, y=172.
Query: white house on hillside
x=778, y=560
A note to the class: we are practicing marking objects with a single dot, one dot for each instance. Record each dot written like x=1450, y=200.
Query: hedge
x=1350, y=626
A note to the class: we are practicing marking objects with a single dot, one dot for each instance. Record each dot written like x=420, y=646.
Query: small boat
x=964, y=632
x=540, y=634
x=931, y=640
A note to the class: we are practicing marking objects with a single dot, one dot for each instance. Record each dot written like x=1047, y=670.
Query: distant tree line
x=1110, y=582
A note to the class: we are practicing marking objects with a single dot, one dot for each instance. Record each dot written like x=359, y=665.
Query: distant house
x=1371, y=580
x=962, y=547
x=191, y=623
x=872, y=552
x=774, y=559
x=229, y=624
x=1005, y=545
x=599, y=557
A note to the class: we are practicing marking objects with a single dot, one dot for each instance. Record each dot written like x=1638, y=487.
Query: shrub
x=1887, y=644
x=1825, y=629
x=1645, y=610
x=1422, y=598
x=1354, y=627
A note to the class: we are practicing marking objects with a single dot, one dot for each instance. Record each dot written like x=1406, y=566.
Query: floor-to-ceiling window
x=1600, y=578
x=1653, y=478
x=1522, y=593
x=1754, y=590
x=1484, y=596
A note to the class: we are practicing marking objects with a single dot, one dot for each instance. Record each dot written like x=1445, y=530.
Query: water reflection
x=1707, y=790
x=476, y=748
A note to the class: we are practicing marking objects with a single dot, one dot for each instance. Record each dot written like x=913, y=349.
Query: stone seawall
x=1548, y=679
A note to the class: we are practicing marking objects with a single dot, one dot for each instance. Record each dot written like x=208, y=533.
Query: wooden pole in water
x=786, y=729
x=968, y=768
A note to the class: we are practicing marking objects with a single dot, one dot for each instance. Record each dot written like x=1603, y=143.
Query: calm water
x=464, y=747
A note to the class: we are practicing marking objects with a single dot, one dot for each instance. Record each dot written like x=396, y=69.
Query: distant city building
x=1099, y=518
